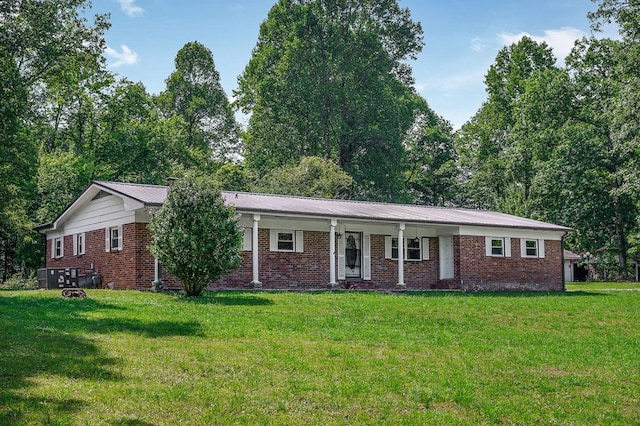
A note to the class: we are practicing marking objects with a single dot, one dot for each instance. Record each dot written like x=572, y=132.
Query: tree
x=196, y=236
x=432, y=172
x=607, y=110
x=483, y=143
x=61, y=177
x=41, y=42
x=625, y=13
x=329, y=79
x=195, y=94
x=312, y=177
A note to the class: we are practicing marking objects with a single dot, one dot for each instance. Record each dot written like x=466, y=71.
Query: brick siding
x=133, y=266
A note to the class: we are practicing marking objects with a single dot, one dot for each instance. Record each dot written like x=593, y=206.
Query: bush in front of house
x=196, y=236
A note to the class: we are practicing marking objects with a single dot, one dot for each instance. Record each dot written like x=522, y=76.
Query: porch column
x=401, y=256
x=157, y=281
x=332, y=254
x=255, y=282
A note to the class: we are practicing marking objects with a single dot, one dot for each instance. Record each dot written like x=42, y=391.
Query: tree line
x=333, y=113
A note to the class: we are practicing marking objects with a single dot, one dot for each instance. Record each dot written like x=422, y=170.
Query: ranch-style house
x=306, y=243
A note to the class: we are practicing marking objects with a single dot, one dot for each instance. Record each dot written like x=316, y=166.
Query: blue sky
x=461, y=37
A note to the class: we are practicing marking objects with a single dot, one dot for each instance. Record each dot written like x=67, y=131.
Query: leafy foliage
x=312, y=177
x=196, y=236
x=195, y=94
x=328, y=79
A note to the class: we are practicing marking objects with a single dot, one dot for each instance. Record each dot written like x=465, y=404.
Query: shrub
x=196, y=236
x=20, y=281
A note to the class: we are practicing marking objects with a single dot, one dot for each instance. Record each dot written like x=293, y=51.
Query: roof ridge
x=303, y=197
x=103, y=182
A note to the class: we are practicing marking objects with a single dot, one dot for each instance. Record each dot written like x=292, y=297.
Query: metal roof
x=289, y=205
x=286, y=205
x=147, y=194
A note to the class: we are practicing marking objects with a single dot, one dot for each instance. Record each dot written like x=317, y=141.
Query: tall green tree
x=40, y=41
x=484, y=143
x=432, y=174
x=194, y=93
x=329, y=79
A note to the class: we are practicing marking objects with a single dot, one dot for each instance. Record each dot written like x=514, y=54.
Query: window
x=284, y=240
x=498, y=246
x=113, y=238
x=58, y=247
x=532, y=248
x=412, y=249
x=394, y=248
x=78, y=244
x=116, y=238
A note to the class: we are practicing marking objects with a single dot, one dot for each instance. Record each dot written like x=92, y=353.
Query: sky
x=462, y=39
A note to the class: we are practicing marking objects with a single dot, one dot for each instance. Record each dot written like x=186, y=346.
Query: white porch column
x=401, y=255
x=255, y=282
x=157, y=282
x=332, y=254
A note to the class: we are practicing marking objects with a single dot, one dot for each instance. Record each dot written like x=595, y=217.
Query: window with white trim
x=498, y=246
x=78, y=244
x=285, y=240
x=58, y=247
x=531, y=248
x=114, y=237
x=412, y=249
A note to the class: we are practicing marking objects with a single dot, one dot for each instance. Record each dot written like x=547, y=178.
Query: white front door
x=446, y=257
x=353, y=254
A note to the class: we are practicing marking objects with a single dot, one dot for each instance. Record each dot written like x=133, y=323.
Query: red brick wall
x=478, y=272
x=129, y=268
x=133, y=267
x=309, y=269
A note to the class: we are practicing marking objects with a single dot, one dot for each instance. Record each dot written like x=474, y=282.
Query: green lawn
x=132, y=358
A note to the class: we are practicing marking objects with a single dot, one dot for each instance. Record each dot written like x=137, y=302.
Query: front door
x=446, y=257
x=353, y=254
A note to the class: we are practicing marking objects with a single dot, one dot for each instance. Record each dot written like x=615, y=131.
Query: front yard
x=133, y=358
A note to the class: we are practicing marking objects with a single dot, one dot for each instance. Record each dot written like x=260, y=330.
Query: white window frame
x=505, y=245
x=57, y=248
x=497, y=249
x=79, y=241
x=109, y=240
x=539, y=246
x=392, y=246
x=297, y=240
x=530, y=251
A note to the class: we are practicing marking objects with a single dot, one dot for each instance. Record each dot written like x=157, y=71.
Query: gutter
x=564, y=286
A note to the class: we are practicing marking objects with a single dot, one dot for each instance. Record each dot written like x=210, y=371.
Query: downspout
x=564, y=288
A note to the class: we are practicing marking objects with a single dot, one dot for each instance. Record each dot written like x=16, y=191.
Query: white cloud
x=478, y=44
x=125, y=57
x=561, y=40
x=130, y=8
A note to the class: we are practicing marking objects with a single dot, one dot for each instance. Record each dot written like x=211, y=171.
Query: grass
x=132, y=358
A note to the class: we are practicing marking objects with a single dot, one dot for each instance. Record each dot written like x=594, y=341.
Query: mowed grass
x=133, y=358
